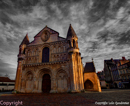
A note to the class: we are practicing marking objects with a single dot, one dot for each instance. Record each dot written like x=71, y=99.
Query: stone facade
x=49, y=63
x=52, y=64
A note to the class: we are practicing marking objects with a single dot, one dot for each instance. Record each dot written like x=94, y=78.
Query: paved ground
x=78, y=99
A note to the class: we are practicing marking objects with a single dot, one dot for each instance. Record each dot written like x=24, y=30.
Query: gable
x=46, y=35
x=48, y=29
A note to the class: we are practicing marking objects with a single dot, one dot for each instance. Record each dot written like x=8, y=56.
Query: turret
x=75, y=61
x=22, y=47
x=21, y=57
x=72, y=40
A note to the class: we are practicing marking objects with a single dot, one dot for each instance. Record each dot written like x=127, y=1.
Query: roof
x=89, y=67
x=71, y=32
x=116, y=61
x=25, y=40
x=6, y=79
x=128, y=63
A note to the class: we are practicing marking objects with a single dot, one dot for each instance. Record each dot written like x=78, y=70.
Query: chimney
x=123, y=58
x=112, y=59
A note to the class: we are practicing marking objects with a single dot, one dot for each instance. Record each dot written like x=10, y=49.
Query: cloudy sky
x=102, y=26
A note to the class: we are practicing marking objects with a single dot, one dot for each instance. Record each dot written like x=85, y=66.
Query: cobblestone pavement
x=78, y=99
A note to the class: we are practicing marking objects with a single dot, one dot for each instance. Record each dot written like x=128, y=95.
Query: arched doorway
x=88, y=85
x=46, y=83
x=45, y=55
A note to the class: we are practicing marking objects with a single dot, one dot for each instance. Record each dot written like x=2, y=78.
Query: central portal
x=46, y=83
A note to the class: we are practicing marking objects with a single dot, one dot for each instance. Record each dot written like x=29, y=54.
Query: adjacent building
x=111, y=71
x=91, y=80
x=101, y=77
x=6, y=84
x=124, y=72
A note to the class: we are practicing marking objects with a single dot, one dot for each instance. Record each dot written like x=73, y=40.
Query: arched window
x=59, y=49
x=64, y=49
x=69, y=43
x=24, y=51
x=45, y=55
x=74, y=43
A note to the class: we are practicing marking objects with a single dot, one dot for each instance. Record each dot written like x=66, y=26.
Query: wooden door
x=46, y=83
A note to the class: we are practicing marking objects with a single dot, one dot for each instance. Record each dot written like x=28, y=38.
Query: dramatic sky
x=102, y=26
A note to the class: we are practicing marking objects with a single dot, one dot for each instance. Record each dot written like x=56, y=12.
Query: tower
x=76, y=67
x=21, y=59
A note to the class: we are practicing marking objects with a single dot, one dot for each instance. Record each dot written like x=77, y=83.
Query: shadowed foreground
x=48, y=99
x=78, y=99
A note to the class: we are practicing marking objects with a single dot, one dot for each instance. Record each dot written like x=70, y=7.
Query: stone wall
x=92, y=76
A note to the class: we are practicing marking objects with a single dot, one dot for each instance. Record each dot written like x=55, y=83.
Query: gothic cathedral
x=50, y=63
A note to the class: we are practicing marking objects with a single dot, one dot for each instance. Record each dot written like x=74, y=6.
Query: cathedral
x=52, y=64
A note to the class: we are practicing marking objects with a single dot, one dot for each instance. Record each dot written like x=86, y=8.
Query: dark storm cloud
x=92, y=20
x=4, y=18
x=99, y=10
x=104, y=9
x=103, y=35
x=17, y=6
x=124, y=38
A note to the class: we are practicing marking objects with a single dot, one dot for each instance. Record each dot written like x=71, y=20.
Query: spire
x=25, y=40
x=71, y=32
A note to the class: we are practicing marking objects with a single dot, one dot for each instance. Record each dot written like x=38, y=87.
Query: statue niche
x=62, y=81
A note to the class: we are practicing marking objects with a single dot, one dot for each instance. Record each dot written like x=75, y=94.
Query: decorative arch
x=45, y=55
x=43, y=71
x=45, y=76
x=88, y=84
x=28, y=83
x=62, y=81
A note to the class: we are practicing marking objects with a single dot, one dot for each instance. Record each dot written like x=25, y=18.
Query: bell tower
x=21, y=57
x=76, y=66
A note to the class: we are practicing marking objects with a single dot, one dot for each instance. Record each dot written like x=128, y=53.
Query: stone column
x=23, y=82
x=73, y=73
x=40, y=85
x=35, y=85
x=17, y=80
x=53, y=85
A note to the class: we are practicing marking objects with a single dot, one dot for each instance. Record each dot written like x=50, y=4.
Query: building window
x=124, y=71
x=45, y=55
x=125, y=77
x=59, y=49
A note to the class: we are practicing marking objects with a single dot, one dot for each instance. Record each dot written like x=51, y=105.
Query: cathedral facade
x=50, y=63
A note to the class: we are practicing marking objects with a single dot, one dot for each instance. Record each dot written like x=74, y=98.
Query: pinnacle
x=71, y=32
x=25, y=40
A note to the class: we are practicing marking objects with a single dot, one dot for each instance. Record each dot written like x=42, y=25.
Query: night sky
x=102, y=27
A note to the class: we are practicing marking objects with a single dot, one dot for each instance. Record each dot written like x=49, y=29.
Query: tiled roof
x=6, y=79
x=89, y=67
